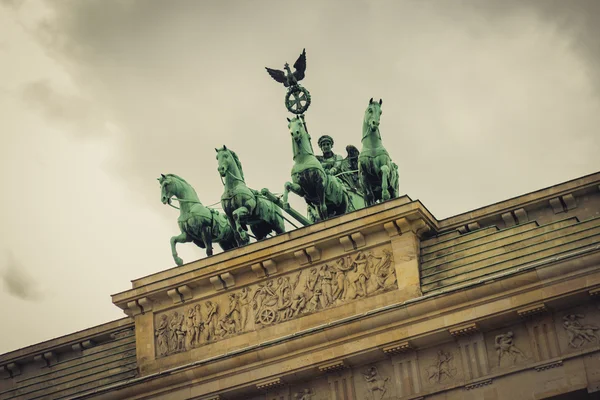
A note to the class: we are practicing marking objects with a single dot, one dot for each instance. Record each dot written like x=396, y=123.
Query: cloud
x=74, y=112
x=11, y=3
x=576, y=20
x=17, y=282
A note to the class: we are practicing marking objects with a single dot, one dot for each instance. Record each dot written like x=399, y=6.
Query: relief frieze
x=506, y=349
x=362, y=274
x=375, y=383
x=442, y=369
x=579, y=334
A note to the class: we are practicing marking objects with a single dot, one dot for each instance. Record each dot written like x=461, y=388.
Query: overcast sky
x=482, y=100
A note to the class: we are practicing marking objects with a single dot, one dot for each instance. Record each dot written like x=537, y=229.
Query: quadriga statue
x=377, y=173
x=198, y=224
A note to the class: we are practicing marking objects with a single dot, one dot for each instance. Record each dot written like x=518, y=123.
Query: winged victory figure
x=289, y=78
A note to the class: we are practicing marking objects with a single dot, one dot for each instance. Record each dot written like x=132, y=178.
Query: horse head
x=172, y=185
x=300, y=136
x=373, y=114
x=297, y=129
x=227, y=160
x=166, y=188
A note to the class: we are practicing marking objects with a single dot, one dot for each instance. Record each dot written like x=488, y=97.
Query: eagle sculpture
x=289, y=78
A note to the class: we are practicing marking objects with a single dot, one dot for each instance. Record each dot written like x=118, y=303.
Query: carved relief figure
x=326, y=288
x=579, y=334
x=298, y=304
x=177, y=332
x=162, y=335
x=189, y=327
x=265, y=304
x=198, y=324
x=244, y=306
x=374, y=382
x=306, y=394
x=359, y=274
x=505, y=347
x=442, y=368
x=383, y=274
x=234, y=314
x=284, y=298
x=211, y=320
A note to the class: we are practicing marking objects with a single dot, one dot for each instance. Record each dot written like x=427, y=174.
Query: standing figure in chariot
x=334, y=164
x=330, y=161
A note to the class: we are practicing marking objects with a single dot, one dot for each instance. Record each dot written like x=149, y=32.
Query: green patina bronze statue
x=297, y=98
x=330, y=161
x=377, y=173
x=245, y=206
x=325, y=194
x=198, y=224
x=344, y=168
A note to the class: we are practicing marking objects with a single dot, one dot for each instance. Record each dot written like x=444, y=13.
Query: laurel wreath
x=289, y=104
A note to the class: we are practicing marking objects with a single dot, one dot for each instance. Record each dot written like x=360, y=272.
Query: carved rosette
x=351, y=277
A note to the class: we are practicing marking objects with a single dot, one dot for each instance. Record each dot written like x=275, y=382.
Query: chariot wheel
x=267, y=316
x=297, y=100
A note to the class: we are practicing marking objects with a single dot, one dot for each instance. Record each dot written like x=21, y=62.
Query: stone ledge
x=332, y=366
x=397, y=348
x=532, y=310
x=463, y=330
x=270, y=384
x=478, y=384
x=550, y=365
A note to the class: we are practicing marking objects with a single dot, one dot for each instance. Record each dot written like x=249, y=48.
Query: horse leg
x=394, y=181
x=236, y=236
x=238, y=217
x=323, y=208
x=206, y=233
x=385, y=173
x=366, y=188
x=291, y=187
x=182, y=238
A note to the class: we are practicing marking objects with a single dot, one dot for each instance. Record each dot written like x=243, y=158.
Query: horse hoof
x=386, y=195
x=178, y=261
